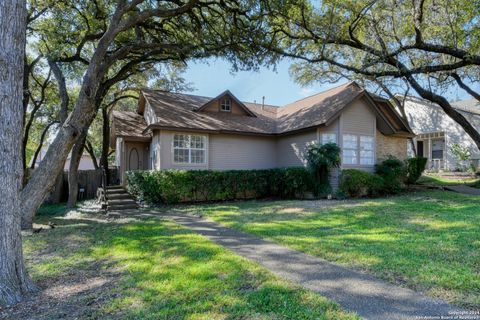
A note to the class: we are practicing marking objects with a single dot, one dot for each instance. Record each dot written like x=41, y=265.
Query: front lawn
x=91, y=267
x=438, y=180
x=428, y=241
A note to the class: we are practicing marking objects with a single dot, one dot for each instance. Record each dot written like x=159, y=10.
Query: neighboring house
x=437, y=132
x=86, y=162
x=181, y=131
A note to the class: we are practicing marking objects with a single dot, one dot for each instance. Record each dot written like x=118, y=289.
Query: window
x=226, y=105
x=350, y=149
x=367, y=146
x=189, y=148
x=358, y=149
x=437, y=149
x=328, y=137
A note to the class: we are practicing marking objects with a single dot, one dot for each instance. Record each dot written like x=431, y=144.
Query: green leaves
x=173, y=186
x=321, y=159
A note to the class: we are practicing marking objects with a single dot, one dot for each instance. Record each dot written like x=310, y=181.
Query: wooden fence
x=88, y=183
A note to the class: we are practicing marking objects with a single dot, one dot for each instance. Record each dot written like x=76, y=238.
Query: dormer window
x=226, y=105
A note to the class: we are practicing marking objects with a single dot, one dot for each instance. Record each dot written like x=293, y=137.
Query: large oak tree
x=14, y=281
x=124, y=35
x=431, y=46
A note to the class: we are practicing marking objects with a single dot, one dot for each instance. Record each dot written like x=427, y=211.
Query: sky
x=277, y=86
x=213, y=77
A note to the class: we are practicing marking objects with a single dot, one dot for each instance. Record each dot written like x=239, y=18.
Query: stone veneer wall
x=394, y=146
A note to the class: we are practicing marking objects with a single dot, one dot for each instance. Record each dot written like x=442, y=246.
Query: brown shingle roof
x=318, y=109
x=129, y=124
x=180, y=111
x=176, y=110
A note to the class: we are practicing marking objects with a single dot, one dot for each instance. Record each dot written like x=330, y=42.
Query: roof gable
x=213, y=104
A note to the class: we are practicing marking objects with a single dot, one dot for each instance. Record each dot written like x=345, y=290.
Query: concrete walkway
x=461, y=188
x=354, y=291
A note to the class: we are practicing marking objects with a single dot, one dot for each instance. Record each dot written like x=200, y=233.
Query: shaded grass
x=52, y=209
x=166, y=272
x=428, y=241
x=444, y=181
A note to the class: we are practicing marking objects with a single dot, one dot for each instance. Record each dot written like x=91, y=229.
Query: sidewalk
x=464, y=189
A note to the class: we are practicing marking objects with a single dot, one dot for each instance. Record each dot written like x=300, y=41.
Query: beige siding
x=332, y=128
x=291, y=149
x=166, y=153
x=155, y=150
x=229, y=152
x=358, y=119
x=149, y=114
x=391, y=146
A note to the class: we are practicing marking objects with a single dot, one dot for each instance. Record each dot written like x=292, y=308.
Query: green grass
x=428, y=241
x=164, y=271
x=52, y=209
x=443, y=181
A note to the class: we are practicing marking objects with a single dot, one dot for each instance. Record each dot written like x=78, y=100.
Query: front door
x=136, y=156
x=420, y=148
x=133, y=160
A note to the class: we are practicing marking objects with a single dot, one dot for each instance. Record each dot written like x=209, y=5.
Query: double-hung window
x=350, y=149
x=366, y=150
x=328, y=138
x=358, y=150
x=188, y=148
x=226, y=105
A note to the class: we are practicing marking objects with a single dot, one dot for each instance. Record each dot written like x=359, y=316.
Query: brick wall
x=387, y=145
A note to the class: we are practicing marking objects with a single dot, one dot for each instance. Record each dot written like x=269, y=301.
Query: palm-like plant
x=321, y=159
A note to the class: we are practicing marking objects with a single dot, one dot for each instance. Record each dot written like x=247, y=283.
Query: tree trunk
x=62, y=89
x=79, y=119
x=40, y=145
x=448, y=109
x=89, y=148
x=105, y=142
x=14, y=281
x=75, y=158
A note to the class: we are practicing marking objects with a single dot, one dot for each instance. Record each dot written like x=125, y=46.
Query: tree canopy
x=429, y=45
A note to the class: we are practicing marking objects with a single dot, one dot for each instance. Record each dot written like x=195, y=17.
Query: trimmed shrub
x=173, y=186
x=392, y=170
x=357, y=183
x=414, y=169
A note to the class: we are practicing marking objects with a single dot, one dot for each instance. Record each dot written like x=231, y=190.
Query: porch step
x=122, y=207
x=116, y=192
x=115, y=189
x=119, y=199
x=115, y=196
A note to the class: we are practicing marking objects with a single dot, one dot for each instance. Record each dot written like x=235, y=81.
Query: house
x=86, y=162
x=437, y=132
x=181, y=131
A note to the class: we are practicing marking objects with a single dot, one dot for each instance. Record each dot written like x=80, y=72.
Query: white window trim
x=229, y=105
x=190, y=164
x=358, y=150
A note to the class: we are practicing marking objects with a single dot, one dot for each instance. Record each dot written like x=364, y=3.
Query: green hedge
x=393, y=172
x=173, y=186
x=357, y=183
x=415, y=167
